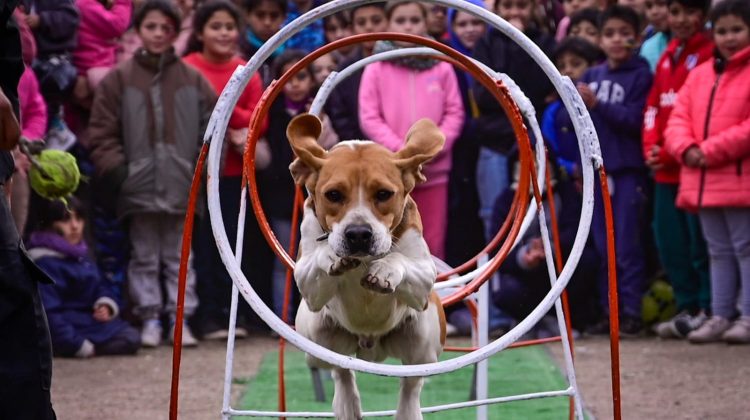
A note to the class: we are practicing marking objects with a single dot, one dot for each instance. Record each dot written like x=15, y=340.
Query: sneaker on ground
x=668, y=329
x=711, y=330
x=630, y=326
x=151, y=333
x=739, y=332
x=684, y=326
x=188, y=339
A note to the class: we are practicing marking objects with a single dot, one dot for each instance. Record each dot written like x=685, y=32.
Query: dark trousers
x=682, y=250
x=127, y=341
x=629, y=201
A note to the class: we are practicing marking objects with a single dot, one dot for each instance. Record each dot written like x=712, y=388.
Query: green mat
x=516, y=371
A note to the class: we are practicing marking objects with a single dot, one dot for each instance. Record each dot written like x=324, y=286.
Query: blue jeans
x=492, y=181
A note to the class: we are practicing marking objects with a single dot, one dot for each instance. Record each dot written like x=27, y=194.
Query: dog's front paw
x=340, y=266
x=382, y=278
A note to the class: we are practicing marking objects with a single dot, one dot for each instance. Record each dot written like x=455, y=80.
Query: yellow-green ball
x=658, y=303
x=60, y=175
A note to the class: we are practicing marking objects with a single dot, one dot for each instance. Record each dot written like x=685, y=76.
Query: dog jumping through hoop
x=364, y=270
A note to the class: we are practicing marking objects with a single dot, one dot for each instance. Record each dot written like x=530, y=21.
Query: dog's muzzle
x=358, y=239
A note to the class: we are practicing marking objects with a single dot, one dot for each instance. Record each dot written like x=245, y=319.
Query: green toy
x=54, y=174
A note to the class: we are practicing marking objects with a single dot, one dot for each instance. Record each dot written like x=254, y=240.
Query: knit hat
x=693, y=4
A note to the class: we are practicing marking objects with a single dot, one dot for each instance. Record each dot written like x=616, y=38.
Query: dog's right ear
x=303, y=132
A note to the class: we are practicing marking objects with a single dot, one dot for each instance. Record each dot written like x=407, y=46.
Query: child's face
x=300, y=86
x=572, y=6
x=219, y=36
x=684, y=22
x=71, y=229
x=436, y=19
x=157, y=32
x=322, y=67
x=586, y=30
x=468, y=29
x=369, y=19
x=731, y=34
x=618, y=41
x=517, y=12
x=408, y=19
x=572, y=66
x=265, y=20
x=335, y=30
x=657, y=14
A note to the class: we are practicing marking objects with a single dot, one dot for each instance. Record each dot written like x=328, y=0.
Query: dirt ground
x=660, y=380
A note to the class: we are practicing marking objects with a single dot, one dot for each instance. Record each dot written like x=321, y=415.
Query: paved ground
x=660, y=380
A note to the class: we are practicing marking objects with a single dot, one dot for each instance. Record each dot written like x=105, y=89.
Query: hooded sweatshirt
x=98, y=32
x=673, y=68
x=618, y=114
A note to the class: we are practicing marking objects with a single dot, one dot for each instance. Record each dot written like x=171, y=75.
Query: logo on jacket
x=608, y=92
x=691, y=61
x=667, y=99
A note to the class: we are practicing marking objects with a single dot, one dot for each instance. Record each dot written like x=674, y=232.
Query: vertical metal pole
x=483, y=321
x=225, y=405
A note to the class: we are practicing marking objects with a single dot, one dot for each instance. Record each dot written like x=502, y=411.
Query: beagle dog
x=363, y=269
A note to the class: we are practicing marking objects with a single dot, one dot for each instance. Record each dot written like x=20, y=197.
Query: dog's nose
x=358, y=238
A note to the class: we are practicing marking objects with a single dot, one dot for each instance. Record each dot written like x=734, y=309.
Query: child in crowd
x=83, y=316
x=277, y=188
x=312, y=36
x=338, y=26
x=323, y=66
x=585, y=24
x=682, y=249
x=147, y=124
x=657, y=13
x=437, y=24
x=571, y=7
x=102, y=22
x=212, y=50
x=55, y=24
x=708, y=133
x=386, y=114
x=615, y=94
x=342, y=106
x=494, y=131
x=264, y=18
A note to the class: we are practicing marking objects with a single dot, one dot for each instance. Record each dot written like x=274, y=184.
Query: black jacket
x=502, y=54
x=342, y=106
x=58, y=27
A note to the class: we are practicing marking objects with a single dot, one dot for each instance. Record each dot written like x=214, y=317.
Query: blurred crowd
x=128, y=86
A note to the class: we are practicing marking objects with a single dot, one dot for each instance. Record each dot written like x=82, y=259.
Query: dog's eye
x=334, y=196
x=383, y=195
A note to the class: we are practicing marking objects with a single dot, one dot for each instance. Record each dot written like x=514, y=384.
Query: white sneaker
x=188, y=339
x=151, y=333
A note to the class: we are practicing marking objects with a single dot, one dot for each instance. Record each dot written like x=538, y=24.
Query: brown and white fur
x=364, y=270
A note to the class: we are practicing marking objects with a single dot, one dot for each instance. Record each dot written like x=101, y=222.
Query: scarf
x=57, y=243
x=417, y=63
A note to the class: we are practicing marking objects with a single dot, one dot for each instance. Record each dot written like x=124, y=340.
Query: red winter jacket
x=671, y=71
x=713, y=113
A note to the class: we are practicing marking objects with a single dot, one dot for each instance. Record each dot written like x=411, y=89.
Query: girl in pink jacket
x=102, y=22
x=394, y=95
x=709, y=133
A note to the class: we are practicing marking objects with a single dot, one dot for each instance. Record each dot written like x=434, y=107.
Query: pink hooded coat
x=33, y=107
x=98, y=32
x=392, y=98
x=720, y=127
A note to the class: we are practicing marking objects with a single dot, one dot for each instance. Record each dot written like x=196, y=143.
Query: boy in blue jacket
x=615, y=93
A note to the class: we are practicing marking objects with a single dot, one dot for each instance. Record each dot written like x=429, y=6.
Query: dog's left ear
x=423, y=141
x=303, y=132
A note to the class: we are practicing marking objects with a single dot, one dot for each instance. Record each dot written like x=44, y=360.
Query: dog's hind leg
x=346, y=402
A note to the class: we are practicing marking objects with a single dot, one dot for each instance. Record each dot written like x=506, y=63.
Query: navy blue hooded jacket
x=618, y=114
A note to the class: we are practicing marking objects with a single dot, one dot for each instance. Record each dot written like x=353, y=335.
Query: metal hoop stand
x=590, y=157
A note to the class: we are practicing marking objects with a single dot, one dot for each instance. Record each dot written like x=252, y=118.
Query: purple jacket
x=70, y=302
x=618, y=115
x=58, y=25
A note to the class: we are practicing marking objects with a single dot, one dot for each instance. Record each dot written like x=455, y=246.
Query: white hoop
x=588, y=145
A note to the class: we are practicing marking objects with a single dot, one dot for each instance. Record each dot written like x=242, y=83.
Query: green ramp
x=511, y=372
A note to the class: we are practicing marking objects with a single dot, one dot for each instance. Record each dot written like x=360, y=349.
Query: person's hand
x=652, y=160
x=237, y=139
x=103, y=313
x=534, y=254
x=588, y=95
x=22, y=161
x=32, y=20
x=694, y=157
